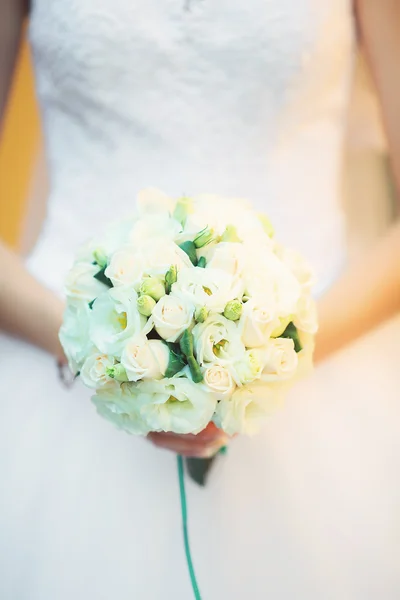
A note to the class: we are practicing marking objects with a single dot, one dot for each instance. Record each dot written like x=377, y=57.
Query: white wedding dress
x=232, y=97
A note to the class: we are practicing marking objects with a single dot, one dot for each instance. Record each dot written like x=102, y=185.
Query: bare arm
x=370, y=292
x=26, y=308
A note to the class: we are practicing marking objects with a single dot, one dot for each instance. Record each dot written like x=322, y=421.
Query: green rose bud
x=230, y=235
x=117, y=372
x=267, y=225
x=201, y=314
x=170, y=278
x=151, y=286
x=233, y=310
x=145, y=305
x=100, y=258
x=183, y=208
x=204, y=237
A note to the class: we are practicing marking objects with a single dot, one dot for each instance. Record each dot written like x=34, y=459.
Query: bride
x=234, y=98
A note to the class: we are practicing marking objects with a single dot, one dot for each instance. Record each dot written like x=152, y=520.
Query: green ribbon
x=193, y=580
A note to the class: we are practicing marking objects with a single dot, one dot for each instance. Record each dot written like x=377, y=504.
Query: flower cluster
x=189, y=312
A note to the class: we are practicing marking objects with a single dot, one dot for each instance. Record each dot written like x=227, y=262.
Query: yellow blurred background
x=18, y=148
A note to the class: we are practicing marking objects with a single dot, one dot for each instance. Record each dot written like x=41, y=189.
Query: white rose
x=281, y=360
x=118, y=403
x=246, y=410
x=219, y=380
x=251, y=230
x=145, y=359
x=94, y=370
x=115, y=235
x=211, y=288
x=152, y=200
x=306, y=317
x=176, y=405
x=171, y=316
x=81, y=283
x=125, y=267
x=114, y=319
x=250, y=367
x=258, y=321
x=269, y=278
x=158, y=257
x=74, y=334
x=218, y=212
x=217, y=340
x=150, y=227
x=227, y=257
x=298, y=266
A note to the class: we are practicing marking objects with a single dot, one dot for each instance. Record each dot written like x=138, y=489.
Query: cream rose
x=250, y=367
x=281, y=360
x=171, y=316
x=145, y=359
x=258, y=321
x=217, y=340
x=245, y=411
x=219, y=380
x=125, y=267
x=306, y=318
x=94, y=370
x=176, y=404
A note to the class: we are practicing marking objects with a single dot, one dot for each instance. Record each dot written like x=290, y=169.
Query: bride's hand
x=203, y=445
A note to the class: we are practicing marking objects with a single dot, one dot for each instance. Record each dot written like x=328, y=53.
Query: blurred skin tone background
x=368, y=193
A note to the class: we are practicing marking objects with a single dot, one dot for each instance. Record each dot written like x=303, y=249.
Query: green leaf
x=100, y=276
x=91, y=303
x=176, y=361
x=292, y=334
x=190, y=249
x=202, y=262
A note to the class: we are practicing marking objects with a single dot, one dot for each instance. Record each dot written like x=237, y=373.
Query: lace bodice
x=230, y=97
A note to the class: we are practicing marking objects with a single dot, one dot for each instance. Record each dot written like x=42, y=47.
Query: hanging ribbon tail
x=189, y=561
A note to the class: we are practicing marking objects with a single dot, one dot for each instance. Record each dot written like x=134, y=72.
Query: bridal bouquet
x=187, y=313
